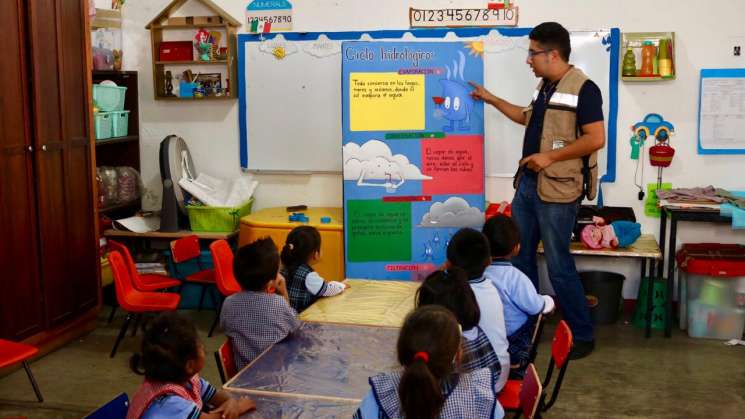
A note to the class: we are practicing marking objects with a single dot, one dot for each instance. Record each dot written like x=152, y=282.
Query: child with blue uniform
x=521, y=301
x=468, y=249
x=170, y=359
x=428, y=386
x=260, y=315
x=304, y=286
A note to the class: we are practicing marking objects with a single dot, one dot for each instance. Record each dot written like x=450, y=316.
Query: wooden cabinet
x=49, y=253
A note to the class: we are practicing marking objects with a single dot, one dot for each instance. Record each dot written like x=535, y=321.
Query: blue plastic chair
x=115, y=409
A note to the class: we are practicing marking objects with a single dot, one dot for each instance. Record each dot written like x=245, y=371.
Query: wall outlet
x=736, y=51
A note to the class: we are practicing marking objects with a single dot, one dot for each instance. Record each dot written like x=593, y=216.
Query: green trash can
x=659, y=297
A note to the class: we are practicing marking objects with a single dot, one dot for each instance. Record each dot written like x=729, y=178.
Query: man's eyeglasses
x=532, y=53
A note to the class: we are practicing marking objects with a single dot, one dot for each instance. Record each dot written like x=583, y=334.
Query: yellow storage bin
x=217, y=219
x=274, y=223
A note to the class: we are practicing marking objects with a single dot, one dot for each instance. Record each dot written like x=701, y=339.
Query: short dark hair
x=554, y=36
x=169, y=342
x=469, y=250
x=451, y=290
x=256, y=264
x=502, y=234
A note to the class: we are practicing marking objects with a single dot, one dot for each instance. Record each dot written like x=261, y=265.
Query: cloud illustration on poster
x=375, y=161
x=454, y=212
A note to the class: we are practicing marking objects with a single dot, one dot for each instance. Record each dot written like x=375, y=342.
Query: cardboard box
x=175, y=51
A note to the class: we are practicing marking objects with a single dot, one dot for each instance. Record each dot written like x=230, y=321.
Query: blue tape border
x=608, y=177
x=710, y=73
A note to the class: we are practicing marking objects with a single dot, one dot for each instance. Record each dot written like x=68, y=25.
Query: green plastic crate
x=109, y=98
x=103, y=125
x=119, y=123
x=217, y=219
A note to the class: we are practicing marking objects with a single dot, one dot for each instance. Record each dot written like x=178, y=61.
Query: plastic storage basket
x=120, y=123
x=109, y=98
x=217, y=219
x=103, y=125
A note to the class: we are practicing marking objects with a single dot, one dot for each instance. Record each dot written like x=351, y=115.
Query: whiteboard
x=290, y=108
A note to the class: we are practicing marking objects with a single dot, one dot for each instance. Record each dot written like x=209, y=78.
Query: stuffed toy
x=616, y=234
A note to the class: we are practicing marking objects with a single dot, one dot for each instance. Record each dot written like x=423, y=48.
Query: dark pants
x=551, y=223
x=520, y=346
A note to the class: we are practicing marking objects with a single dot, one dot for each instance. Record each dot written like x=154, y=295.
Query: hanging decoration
x=660, y=154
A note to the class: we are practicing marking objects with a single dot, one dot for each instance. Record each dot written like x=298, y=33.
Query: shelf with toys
x=213, y=44
x=647, y=56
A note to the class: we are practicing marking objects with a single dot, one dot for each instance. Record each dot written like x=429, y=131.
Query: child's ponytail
x=300, y=245
x=427, y=346
x=419, y=390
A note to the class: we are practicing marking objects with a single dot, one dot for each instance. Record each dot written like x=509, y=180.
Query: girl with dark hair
x=304, y=286
x=451, y=289
x=428, y=386
x=170, y=359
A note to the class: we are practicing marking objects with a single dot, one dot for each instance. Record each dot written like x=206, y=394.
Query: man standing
x=563, y=131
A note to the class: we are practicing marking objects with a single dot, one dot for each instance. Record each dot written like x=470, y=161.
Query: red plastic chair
x=136, y=302
x=509, y=398
x=144, y=282
x=530, y=393
x=225, y=361
x=12, y=353
x=222, y=259
x=186, y=249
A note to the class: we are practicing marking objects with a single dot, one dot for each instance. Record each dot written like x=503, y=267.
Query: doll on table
x=616, y=234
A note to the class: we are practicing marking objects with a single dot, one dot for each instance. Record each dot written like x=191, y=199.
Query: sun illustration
x=476, y=48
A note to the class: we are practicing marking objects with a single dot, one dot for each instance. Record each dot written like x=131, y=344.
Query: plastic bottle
x=629, y=64
x=665, y=60
x=648, y=55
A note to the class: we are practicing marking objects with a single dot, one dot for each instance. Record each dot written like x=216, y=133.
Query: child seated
x=450, y=289
x=468, y=249
x=427, y=385
x=521, y=302
x=304, y=286
x=170, y=359
x=260, y=315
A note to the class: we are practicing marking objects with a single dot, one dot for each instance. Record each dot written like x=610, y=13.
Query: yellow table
x=274, y=223
x=366, y=302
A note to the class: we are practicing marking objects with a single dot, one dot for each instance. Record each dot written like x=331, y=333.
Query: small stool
x=13, y=353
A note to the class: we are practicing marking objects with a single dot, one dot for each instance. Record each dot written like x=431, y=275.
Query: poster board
x=413, y=153
x=721, y=111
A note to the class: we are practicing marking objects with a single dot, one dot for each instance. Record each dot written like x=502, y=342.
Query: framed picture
x=210, y=83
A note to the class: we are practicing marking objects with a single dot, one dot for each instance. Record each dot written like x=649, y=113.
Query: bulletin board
x=290, y=88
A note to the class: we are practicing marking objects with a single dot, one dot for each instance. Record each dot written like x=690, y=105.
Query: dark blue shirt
x=589, y=109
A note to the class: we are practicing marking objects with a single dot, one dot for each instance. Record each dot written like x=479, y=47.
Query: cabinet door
x=20, y=298
x=75, y=114
x=67, y=237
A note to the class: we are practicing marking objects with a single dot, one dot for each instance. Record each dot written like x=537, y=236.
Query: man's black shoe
x=581, y=349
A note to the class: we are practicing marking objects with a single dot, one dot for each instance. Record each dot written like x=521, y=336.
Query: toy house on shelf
x=205, y=42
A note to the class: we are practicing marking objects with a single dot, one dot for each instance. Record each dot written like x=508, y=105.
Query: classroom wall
x=705, y=35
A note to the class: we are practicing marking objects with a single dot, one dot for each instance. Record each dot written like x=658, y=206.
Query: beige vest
x=564, y=181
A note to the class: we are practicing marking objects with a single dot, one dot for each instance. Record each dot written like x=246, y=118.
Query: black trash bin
x=603, y=291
